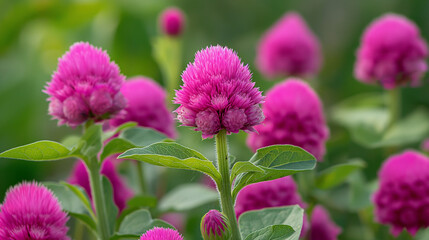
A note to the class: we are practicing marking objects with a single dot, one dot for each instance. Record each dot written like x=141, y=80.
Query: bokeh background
x=35, y=33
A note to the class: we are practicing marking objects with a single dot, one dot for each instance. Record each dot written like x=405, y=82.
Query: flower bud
x=215, y=226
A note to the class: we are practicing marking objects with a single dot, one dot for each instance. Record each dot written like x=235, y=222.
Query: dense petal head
x=218, y=93
x=275, y=193
x=158, y=233
x=172, y=21
x=146, y=105
x=293, y=115
x=31, y=212
x=321, y=226
x=121, y=192
x=392, y=53
x=85, y=86
x=215, y=226
x=289, y=48
x=402, y=200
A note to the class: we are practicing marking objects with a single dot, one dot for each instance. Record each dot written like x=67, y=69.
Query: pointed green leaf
x=173, y=155
x=243, y=167
x=273, y=232
x=108, y=134
x=337, y=174
x=277, y=161
x=141, y=136
x=38, y=151
x=112, y=210
x=187, y=197
x=114, y=146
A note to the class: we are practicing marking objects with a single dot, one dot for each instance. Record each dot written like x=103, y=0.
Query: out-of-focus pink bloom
x=177, y=220
x=215, y=226
x=31, y=211
x=146, y=105
x=321, y=226
x=217, y=93
x=425, y=145
x=208, y=182
x=289, y=48
x=402, y=200
x=121, y=192
x=275, y=193
x=85, y=86
x=172, y=21
x=392, y=53
x=158, y=233
x=294, y=115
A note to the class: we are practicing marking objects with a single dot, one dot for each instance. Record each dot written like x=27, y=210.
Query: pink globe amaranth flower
x=402, y=199
x=321, y=226
x=172, y=21
x=425, y=145
x=275, y=193
x=158, y=233
x=31, y=212
x=217, y=93
x=289, y=48
x=85, y=86
x=215, y=226
x=146, y=106
x=121, y=192
x=392, y=53
x=177, y=220
x=294, y=115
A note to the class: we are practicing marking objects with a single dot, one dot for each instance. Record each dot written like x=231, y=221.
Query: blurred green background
x=35, y=33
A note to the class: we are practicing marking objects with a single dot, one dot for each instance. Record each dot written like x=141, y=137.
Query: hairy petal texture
x=217, y=93
x=392, y=53
x=158, y=233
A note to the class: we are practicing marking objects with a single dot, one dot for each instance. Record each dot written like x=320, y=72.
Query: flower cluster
x=215, y=226
x=289, y=48
x=159, y=233
x=294, y=116
x=217, y=93
x=402, y=199
x=85, y=86
x=321, y=226
x=392, y=53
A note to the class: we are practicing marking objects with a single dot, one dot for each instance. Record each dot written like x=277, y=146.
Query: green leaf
x=187, y=197
x=277, y=161
x=120, y=128
x=243, y=167
x=360, y=191
x=90, y=144
x=112, y=210
x=256, y=222
x=142, y=201
x=71, y=141
x=137, y=223
x=337, y=174
x=81, y=194
x=173, y=155
x=273, y=232
x=116, y=145
x=141, y=136
x=38, y=151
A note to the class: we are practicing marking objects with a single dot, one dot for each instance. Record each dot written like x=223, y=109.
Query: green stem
x=141, y=179
x=78, y=230
x=227, y=203
x=394, y=97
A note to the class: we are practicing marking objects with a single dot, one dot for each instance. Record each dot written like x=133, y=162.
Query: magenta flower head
x=158, y=233
x=321, y=226
x=275, y=193
x=31, y=211
x=146, y=105
x=402, y=199
x=217, y=93
x=289, y=48
x=215, y=226
x=172, y=21
x=392, y=53
x=121, y=192
x=85, y=86
x=294, y=115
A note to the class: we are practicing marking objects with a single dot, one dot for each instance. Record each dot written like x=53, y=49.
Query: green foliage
x=187, y=197
x=173, y=155
x=112, y=210
x=142, y=201
x=90, y=144
x=141, y=136
x=38, y=151
x=116, y=145
x=336, y=174
x=276, y=161
x=266, y=224
x=243, y=167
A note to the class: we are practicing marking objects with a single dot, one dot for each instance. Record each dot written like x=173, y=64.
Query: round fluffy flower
x=172, y=21
x=294, y=116
x=158, y=233
x=275, y=193
x=217, y=93
x=402, y=200
x=85, y=86
x=392, y=53
x=121, y=193
x=31, y=211
x=215, y=226
x=321, y=226
x=146, y=106
x=289, y=48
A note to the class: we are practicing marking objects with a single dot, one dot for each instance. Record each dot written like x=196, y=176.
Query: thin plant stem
x=227, y=203
x=394, y=104
x=78, y=230
x=141, y=178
